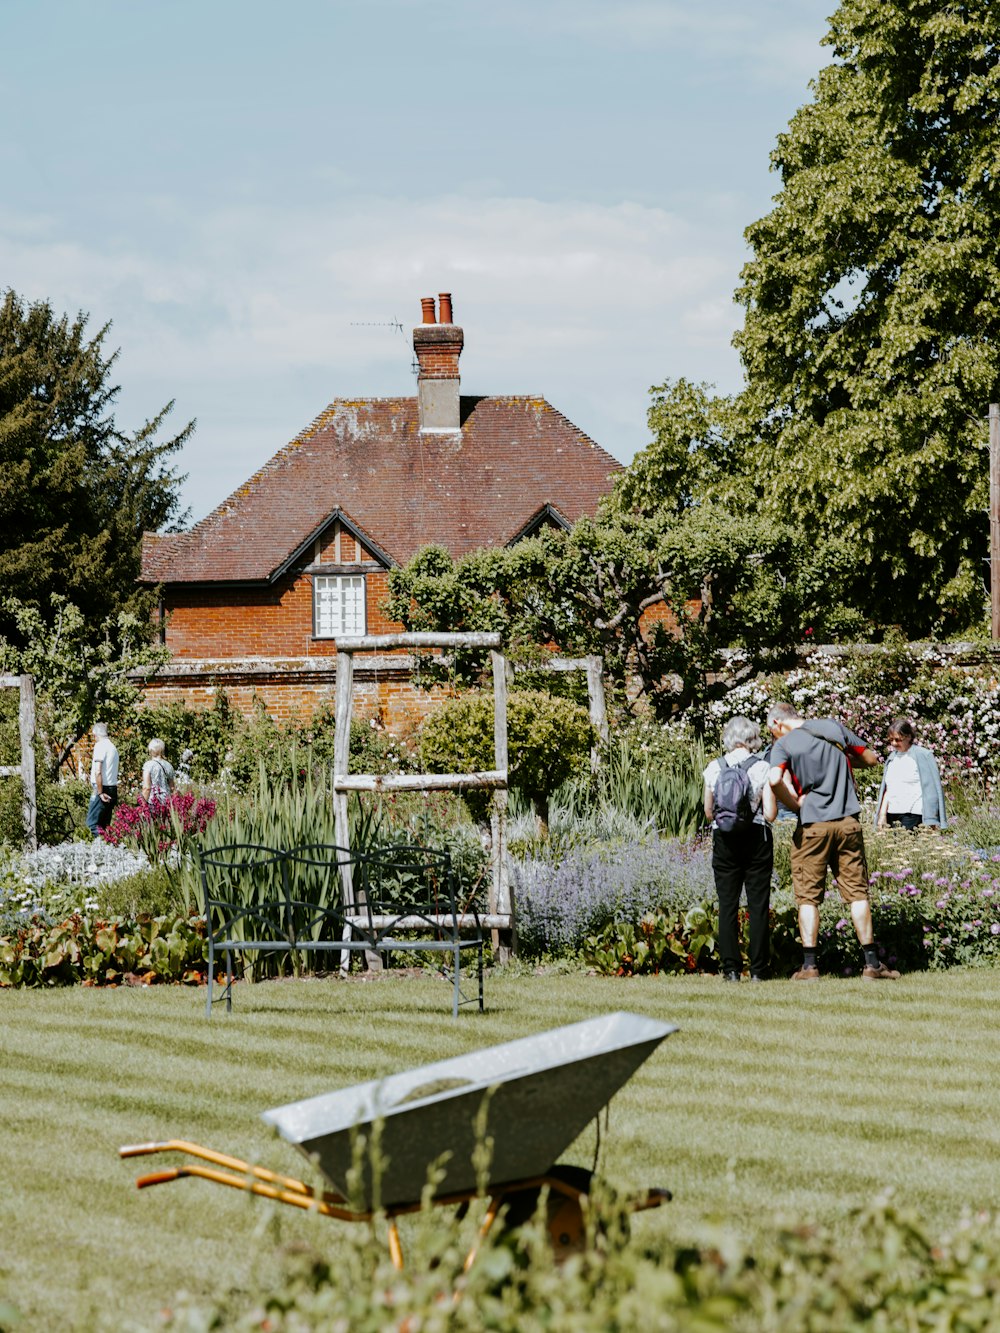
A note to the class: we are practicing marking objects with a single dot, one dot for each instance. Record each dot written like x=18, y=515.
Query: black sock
x=871, y=954
x=808, y=956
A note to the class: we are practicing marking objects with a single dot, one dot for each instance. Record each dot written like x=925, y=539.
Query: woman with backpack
x=157, y=776
x=740, y=805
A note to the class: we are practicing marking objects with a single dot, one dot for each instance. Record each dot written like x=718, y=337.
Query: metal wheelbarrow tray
x=540, y=1092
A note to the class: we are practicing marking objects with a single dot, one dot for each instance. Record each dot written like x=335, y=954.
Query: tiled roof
x=402, y=489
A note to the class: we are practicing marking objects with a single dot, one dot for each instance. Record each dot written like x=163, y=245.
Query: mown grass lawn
x=780, y=1100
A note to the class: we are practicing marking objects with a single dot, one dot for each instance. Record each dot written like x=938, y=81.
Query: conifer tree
x=76, y=492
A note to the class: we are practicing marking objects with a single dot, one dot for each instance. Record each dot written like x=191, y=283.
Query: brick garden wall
x=293, y=689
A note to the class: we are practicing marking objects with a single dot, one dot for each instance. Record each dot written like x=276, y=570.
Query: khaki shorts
x=837, y=843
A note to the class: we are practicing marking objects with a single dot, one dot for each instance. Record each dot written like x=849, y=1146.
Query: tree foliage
x=81, y=670
x=76, y=492
x=872, y=334
x=656, y=595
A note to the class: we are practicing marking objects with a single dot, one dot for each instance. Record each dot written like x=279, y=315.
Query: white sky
x=251, y=191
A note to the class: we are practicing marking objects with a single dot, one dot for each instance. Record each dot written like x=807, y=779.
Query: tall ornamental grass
x=647, y=782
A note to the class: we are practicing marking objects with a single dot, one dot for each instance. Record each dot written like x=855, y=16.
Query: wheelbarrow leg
x=484, y=1230
x=395, y=1247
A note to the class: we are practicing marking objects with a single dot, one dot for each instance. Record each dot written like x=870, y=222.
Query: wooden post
x=501, y=899
x=341, y=765
x=26, y=726
x=995, y=521
x=598, y=708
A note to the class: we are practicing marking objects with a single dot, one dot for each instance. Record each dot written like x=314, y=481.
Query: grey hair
x=156, y=748
x=100, y=729
x=740, y=731
x=782, y=712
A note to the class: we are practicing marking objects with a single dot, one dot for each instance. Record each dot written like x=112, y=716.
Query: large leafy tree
x=76, y=492
x=657, y=597
x=872, y=334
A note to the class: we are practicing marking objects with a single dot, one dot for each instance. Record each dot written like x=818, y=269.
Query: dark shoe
x=806, y=974
x=731, y=976
x=880, y=973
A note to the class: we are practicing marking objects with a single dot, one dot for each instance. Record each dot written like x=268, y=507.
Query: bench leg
x=211, y=975
x=481, y=1006
x=458, y=980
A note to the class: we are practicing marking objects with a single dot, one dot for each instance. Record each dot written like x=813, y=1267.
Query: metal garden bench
x=319, y=898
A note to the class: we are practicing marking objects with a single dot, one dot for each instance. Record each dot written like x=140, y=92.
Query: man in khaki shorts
x=811, y=773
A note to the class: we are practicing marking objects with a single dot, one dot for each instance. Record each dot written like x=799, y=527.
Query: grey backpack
x=733, y=795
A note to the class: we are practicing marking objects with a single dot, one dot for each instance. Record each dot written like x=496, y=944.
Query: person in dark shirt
x=811, y=773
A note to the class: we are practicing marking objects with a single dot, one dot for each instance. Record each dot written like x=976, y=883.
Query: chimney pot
x=427, y=305
x=444, y=305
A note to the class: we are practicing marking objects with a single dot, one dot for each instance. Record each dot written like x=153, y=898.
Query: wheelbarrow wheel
x=563, y=1214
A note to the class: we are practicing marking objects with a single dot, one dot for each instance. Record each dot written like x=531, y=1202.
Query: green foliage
x=76, y=492
x=657, y=944
x=100, y=952
x=208, y=734
x=656, y=591
x=870, y=343
x=680, y=939
x=155, y=892
x=687, y=425
x=888, y=1271
x=60, y=815
x=548, y=742
x=80, y=667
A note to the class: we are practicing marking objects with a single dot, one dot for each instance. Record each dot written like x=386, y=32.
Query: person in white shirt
x=911, y=792
x=103, y=780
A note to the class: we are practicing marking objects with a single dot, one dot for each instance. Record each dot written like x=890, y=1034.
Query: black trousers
x=904, y=821
x=744, y=859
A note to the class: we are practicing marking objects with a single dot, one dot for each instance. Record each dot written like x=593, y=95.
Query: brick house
x=253, y=596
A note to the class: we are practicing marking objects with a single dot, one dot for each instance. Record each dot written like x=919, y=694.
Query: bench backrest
x=297, y=893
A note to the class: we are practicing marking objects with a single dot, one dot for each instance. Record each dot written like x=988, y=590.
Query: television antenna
x=396, y=324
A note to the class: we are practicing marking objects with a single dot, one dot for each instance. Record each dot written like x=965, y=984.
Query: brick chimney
x=438, y=347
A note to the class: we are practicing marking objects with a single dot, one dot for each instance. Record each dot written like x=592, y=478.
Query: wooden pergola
x=500, y=914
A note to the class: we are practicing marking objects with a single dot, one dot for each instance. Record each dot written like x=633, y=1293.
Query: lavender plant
x=561, y=902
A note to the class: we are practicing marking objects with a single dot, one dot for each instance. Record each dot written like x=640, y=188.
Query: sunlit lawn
x=790, y=1100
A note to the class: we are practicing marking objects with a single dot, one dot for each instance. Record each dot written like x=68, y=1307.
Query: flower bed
x=95, y=952
x=158, y=827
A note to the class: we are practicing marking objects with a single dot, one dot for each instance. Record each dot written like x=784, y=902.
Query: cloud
x=255, y=317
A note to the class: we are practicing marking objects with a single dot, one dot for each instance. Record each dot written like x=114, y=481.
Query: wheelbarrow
x=532, y=1097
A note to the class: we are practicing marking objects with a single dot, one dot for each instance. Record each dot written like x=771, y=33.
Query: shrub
x=206, y=734
x=956, y=710
x=61, y=810
x=880, y=1270
x=549, y=741
x=100, y=952
x=157, y=891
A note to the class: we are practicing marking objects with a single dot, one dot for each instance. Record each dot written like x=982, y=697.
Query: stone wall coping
x=228, y=667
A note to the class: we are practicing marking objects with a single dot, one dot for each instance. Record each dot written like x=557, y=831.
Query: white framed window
x=338, y=605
